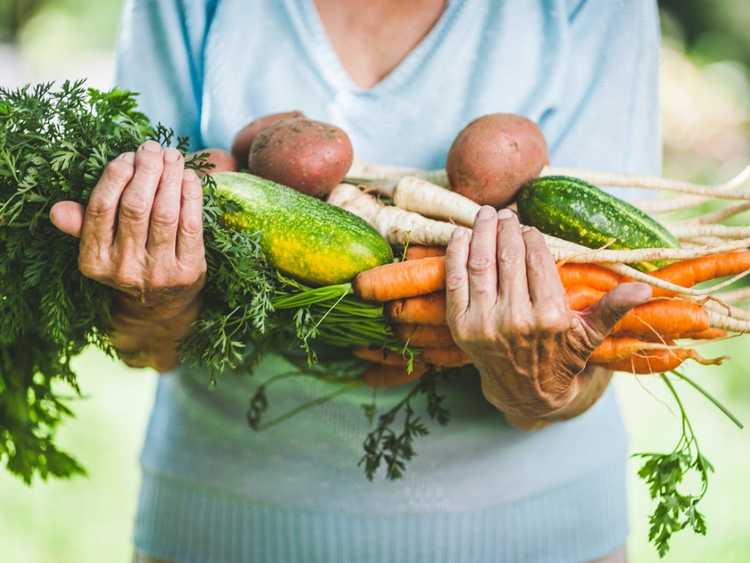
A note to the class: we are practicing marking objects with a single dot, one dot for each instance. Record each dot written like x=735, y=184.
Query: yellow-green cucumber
x=579, y=212
x=302, y=237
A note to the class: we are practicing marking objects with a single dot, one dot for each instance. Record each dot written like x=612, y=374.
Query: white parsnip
x=691, y=231
x=366, y=172
x=726, y=322
x=396, y=225
x=431, y=200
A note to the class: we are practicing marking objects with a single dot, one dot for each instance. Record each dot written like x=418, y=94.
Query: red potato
x=493, y=156
x=309, y=156
x=221, y=159
x=246, y=135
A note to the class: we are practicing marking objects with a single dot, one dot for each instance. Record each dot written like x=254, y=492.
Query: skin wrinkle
x=530, y=348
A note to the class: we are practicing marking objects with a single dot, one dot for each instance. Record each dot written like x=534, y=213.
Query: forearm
x=149, y=335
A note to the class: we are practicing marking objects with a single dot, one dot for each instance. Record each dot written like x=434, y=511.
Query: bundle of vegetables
x=287, y=271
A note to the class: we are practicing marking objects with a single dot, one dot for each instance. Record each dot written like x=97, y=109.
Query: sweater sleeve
x=160, y=55
x=610, y=116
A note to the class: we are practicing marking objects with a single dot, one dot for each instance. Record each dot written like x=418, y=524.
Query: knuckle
x=119, y=171
x=455, y=281
x=125, y=278
x=91, y=269
x=551, y=319
x=134, y=206
x=99, y=207
x=510, y=258
x=192, y=226
x=519, y=327
x=164, y=216
x=480, y=264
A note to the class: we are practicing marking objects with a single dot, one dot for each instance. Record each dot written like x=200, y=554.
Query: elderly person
x=401, y=78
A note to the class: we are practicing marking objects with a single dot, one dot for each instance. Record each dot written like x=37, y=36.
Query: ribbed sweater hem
x=185, y=522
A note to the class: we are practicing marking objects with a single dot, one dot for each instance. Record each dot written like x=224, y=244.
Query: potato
x=221, y=159
x=243, y=139
x=494, y=155
x=309, y=156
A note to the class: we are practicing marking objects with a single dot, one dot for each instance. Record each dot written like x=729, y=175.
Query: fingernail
x=486, y=212
x=171, y=155
x=151, y=146
x=128, y=157
x=504, y=214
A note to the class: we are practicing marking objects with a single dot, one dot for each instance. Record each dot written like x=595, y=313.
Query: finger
x=482, y=261
x=190, y=233
x=68, y=217
x=603, y=315
x=100, y=218
x=165, y=214
x=513, y=290
x=138, y=197
x=545, y=288
x=456, y=274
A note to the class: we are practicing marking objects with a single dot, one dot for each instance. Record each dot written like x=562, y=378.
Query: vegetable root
x=425, y=336
x=396, y=225
x=381, y=356
x=450, y=357
x=401, y=279
x=423, y=309
x=659, y=361
x=414, y=252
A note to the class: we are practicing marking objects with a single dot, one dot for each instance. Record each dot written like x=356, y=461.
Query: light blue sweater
x=478, y=490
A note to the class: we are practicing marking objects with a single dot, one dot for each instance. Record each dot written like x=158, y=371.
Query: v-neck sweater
x=478, y=490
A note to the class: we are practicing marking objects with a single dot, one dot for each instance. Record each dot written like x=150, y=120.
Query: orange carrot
x=414, y=252
x=425, y=336
x=664, y=318
x=450, y=357
x=708, y=334
x=390, y=376
x=423, y=309
x=688, y=273
x=582, y=297
x=614, y=348
x=658, y=361
x=661, y=318
x=381, y=356
x=401, y=279
x=591, y=275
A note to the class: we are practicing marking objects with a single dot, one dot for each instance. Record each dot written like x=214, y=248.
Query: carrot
x=391, y=376
x=582, y=297
x=658, y=361
x=423, y=309
x=615, y=348
x=401, y=279
x=416, y=251
x=708, y=334
x=425, y=336
x=380, y=356
x=671, y=318
x=688, y=273
x=450, y=357
x=590, y=275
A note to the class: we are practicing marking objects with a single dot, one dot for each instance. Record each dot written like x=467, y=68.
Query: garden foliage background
x=706, y=126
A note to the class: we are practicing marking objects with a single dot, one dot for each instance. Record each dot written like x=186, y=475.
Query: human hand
x=506, y=309
x=142, y=234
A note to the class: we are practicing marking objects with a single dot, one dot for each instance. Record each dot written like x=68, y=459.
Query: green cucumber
x=579, y=212
x=302, y=236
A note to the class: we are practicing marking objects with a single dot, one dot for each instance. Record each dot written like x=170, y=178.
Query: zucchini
x=579, y=212
x=302, y=236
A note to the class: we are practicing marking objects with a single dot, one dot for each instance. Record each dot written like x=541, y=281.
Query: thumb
x=68, y=217
x=604, y=314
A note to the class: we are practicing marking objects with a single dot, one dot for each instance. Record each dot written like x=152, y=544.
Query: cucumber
x=579, y=212
x=302, y=236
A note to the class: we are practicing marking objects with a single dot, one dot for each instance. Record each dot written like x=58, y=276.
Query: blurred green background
x=706, y=125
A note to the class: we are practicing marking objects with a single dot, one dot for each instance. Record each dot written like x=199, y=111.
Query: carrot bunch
x=643, y=341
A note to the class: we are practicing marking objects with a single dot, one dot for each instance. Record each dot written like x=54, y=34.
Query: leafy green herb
x=664, y=473
x=54, y=145
x=394, y=447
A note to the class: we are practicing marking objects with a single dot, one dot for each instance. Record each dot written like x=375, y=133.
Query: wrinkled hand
x=142, y=234
x=507, y=310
